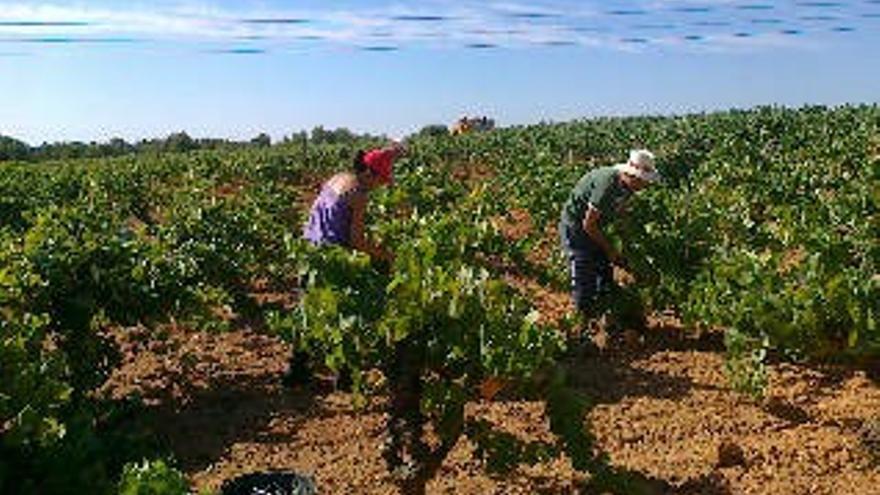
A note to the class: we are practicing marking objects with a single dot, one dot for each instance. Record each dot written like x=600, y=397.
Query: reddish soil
x=553, y=306
x=516, y=225
x=663, y=409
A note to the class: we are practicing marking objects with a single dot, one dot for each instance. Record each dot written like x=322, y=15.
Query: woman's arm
x=358, y=206
x=359, y=240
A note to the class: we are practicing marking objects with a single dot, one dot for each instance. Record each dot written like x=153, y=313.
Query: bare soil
x=662, y=409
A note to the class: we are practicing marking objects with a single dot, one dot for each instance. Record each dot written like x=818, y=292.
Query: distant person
x=484, y=124
x=596, y=200
x=337, y=218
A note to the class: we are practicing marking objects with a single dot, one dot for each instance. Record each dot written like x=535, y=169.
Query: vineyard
x=133, y=287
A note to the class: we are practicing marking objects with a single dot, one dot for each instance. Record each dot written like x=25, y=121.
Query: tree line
x=12, y=149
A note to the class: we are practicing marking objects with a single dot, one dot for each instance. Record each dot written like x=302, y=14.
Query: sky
x=92, y=70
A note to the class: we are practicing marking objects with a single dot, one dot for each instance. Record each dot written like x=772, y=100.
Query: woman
x=337, y=215
x=337, y=218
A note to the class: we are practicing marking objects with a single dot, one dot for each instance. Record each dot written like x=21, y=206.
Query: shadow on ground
x=232, y=410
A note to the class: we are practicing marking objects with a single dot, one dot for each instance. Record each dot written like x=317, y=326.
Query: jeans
x=593, y=288
x=589, y=270
x=591, y=278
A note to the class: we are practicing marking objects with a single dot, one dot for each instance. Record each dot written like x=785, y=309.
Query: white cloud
x=441, y=23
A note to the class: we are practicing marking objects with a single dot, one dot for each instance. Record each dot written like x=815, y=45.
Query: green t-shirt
x=600, y=188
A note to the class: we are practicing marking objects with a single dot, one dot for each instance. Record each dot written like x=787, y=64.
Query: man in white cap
x=596, y=200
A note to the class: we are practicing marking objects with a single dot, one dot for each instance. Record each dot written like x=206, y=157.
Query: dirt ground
x=663, y=409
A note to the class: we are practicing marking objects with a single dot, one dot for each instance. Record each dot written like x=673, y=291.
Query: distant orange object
x=465, y=125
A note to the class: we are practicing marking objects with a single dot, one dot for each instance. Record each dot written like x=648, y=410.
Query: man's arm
x=591, y=227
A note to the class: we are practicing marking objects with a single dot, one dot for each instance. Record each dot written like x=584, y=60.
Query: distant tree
x=344, y=136
x=340, y=135
x=179, y=142
x=296, y=137
x=13, y=149
x=320, y=135
x=433, y=130
x=263, y=140
x=213, y=143
x=61, y=151
x=118, y=146
x=149, y=145
x=75, y=149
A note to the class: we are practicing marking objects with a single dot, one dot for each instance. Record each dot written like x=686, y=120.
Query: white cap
x=641, y=165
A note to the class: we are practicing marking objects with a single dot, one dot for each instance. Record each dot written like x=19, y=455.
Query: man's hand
x=623, y=275
x=619, y=261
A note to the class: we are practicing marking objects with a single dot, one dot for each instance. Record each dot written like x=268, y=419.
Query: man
x=596, y=200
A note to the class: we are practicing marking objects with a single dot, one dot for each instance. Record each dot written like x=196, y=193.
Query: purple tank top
x=330, y=218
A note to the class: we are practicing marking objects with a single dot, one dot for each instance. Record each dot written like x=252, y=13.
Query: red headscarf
x=381, y=161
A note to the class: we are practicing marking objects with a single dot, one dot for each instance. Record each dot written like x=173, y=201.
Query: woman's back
x=330, y=216
x=342, y=183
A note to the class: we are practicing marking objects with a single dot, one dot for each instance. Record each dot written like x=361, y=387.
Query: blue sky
x=91, y=70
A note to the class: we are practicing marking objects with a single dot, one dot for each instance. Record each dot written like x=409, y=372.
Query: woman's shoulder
x=343, y=182
x=346, y=184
